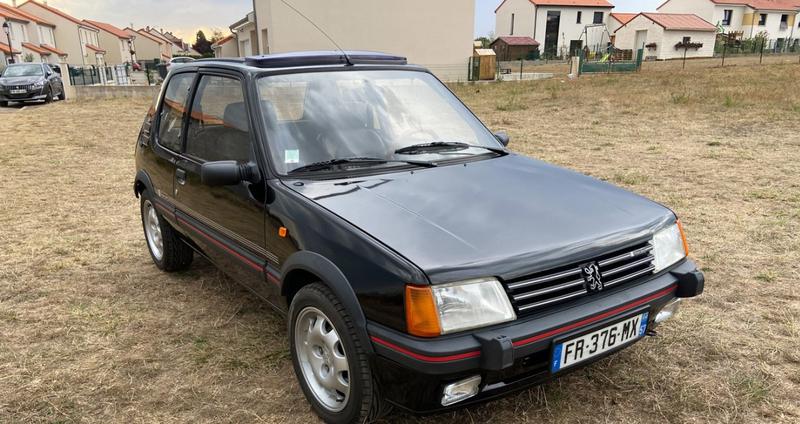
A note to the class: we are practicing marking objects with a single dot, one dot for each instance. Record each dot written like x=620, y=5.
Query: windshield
x=23, y=71
x=323, y=116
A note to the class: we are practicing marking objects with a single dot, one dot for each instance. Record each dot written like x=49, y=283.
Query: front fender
x=333, y=277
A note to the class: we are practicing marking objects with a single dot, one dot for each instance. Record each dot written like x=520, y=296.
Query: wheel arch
x=305, y=267
x=142, y=183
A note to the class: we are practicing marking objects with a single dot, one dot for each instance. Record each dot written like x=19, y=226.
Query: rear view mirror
x=228, y=172
x=502, y=137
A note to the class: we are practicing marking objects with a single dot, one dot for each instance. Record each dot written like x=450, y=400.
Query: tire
x=3, y=103
x=49, y=98
x=62, y=95
x=174, y=254
x=363, y=403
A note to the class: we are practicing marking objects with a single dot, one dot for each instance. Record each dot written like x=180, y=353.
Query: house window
x=762, y=19
x=687, y=40
x=512, y=24
x=598, y=18
x=579, y=17
x=784, y=22
x=727, y=17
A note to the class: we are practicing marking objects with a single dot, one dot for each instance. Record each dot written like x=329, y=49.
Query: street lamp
x=7, y=30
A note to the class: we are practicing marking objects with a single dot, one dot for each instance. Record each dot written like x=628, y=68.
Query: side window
x=170, y=123
x=218, y=127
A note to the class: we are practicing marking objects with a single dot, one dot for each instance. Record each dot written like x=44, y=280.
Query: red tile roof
x=567, y=3
x=573, y=3
x=517, y=41
x=757, y=4
x=763, y=4
x=680, y=21
x=35, y=48
x=223, y=41
x=9, y=14
x=623, y=18
x=22, y=14
x=95, y=48
x=53, y=49
x=146, y=35
x=4, y=48
x=111, y=29
x=58, y=12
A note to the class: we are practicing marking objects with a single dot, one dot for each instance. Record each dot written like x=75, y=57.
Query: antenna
x=346, y=57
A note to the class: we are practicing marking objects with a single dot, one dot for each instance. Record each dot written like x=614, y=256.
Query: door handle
x=180, y=176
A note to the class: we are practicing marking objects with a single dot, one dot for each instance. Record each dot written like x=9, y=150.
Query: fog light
x=668, y=311
x=460, y=390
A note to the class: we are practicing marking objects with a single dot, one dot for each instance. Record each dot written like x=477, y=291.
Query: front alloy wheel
x=322, y=358
x=329, y=359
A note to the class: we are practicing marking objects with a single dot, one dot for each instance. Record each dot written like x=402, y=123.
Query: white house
x=31, y=36
x=74, y=37
x=616, y=20
x=226, y=47
x=437, y=34
x=668, y=36
x=116, y=43
x=560, y=26
x=777, y=18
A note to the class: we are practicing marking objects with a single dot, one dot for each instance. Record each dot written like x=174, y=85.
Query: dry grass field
x=91, y=332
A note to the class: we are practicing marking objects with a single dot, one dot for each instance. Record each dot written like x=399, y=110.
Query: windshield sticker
x=292, y=156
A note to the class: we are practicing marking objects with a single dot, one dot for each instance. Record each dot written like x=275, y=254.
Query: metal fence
x=100, y=75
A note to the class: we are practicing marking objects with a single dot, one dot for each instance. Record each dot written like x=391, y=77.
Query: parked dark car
x=420, y=263
x=23, y=82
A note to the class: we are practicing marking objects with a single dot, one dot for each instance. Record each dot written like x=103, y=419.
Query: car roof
x=306, y=59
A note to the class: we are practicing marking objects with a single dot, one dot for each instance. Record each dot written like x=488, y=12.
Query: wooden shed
x=515, y=48
x=486, y=61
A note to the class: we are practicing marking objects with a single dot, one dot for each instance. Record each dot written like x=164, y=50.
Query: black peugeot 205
x=420, y=263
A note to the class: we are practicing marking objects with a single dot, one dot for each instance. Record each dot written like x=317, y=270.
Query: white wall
x=523, y=18
x=671, y=38
x=569, y=29
x=772, y=26
x=437, y=34
x=736, y=20
x=665, y=40
x=702, y=8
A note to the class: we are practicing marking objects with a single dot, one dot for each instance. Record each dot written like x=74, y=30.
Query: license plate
x=579, y=349
x=19, y=91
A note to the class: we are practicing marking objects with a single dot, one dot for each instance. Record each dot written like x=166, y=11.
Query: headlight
x=448, y=308
x=669, y=246
x=38, y=84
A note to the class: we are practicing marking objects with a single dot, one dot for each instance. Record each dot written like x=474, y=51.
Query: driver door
x=226, y=222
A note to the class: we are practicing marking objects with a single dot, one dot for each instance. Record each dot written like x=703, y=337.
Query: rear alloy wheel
x=329, y=360
x=169, y=252
x=62, y=95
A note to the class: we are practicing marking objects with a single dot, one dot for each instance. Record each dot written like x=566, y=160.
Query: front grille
x=28, y=87
x=548, y=288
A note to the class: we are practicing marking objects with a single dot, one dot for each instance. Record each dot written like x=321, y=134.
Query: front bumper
x=412, y=372
x=31, y=95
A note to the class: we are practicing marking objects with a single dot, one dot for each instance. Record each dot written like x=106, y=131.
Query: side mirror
x=502, y=137
x=227, y=173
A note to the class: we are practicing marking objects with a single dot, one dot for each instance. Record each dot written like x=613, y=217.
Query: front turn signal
x=421, y=317
x=683, y=238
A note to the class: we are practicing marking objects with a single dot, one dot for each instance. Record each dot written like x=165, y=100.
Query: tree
x=202, y=45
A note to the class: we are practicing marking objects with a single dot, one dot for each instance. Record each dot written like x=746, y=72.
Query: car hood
x=505, y=217
x=19, y=80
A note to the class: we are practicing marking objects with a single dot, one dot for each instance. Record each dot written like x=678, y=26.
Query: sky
x=185, y=17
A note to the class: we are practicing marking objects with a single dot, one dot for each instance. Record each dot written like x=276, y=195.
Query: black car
x=420, y=263
x=23, y=82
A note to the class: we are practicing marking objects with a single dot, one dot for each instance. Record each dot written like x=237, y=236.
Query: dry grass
x=91, y=332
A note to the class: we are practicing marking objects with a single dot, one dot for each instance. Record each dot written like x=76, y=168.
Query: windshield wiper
x=367, y=161
x=444, y=146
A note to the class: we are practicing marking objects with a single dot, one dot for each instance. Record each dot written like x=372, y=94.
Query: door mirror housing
x=227, y=173
x=502, y=137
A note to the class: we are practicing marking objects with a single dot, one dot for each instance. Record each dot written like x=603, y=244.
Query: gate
x=611, y=62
